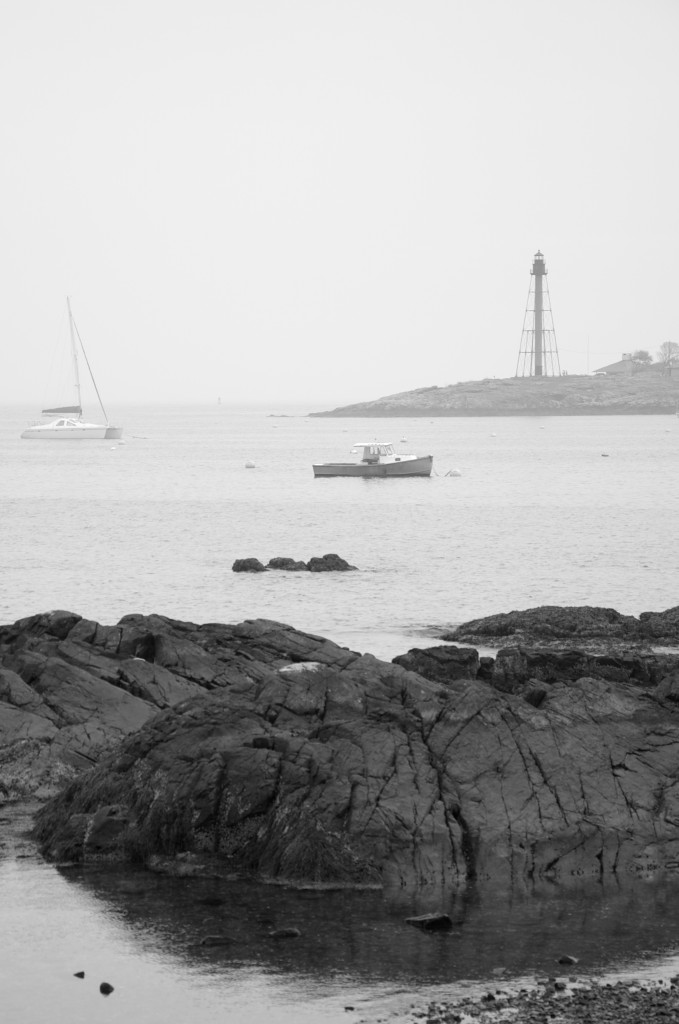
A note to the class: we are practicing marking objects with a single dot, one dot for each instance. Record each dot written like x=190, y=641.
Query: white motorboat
x=69, y=424
x=377, y=459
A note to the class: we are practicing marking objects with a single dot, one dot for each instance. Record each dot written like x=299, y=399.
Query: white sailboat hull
x=72, y=432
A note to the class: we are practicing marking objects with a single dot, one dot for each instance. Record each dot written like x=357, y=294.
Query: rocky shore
x=555, y=626
x=563, y=1001
x=647, y=392
x=276, y=752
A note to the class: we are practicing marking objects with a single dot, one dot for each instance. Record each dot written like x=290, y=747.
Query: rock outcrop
x=579, y=625
x=351, y=770
x=322, y=563
x=71, y=689
x=248, y=565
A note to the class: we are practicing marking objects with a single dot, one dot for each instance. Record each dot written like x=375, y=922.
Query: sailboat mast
x=74, y=351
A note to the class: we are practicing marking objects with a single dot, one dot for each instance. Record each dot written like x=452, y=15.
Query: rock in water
x=287, y=564
x=329, y=563
x=248, y=565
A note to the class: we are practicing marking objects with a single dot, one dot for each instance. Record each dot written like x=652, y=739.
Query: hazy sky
x=332, y=200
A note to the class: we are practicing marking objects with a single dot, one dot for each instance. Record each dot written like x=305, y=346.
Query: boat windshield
x=372, y=450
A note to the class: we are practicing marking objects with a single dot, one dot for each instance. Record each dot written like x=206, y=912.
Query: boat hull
x=420, y=466
x=86, y=432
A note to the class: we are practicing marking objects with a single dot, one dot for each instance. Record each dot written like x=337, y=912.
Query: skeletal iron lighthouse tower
x=538, y=356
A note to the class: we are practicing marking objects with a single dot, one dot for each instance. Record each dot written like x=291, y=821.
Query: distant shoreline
x=402, y=412
x=640, y=394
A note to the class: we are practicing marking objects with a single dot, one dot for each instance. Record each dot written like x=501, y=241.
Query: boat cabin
x=373, y=451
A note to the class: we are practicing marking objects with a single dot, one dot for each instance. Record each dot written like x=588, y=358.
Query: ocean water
x=572, y=510
x=540, y=511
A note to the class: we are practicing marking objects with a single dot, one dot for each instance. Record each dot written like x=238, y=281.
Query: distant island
x=648, y=392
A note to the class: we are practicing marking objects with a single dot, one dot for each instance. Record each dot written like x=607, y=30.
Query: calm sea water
x=545, y=511
x=559, y=511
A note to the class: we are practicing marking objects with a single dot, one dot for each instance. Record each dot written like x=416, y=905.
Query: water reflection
x=217, y=925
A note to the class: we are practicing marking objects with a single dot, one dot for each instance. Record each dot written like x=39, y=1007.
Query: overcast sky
x=325, y=201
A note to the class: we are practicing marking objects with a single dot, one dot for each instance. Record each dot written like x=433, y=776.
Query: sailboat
x=69, y=424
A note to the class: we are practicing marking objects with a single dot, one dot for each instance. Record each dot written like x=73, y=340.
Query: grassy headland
x=641, y=393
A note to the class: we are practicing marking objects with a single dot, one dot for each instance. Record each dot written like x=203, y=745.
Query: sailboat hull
x=72, y=432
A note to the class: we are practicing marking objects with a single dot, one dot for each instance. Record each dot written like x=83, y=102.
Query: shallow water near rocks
x=356, y=958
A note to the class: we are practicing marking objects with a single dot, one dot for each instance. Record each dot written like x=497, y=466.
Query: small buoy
x=404, y=440
x=105, y=988
x=79, y=974
x=249, y=465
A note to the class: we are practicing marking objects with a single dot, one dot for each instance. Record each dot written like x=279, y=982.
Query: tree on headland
x=667, y=354
x=642, y=357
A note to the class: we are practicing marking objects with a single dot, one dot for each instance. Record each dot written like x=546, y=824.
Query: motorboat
x=377, y=459
x=69, y=424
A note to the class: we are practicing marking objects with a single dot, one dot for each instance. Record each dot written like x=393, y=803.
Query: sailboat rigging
x=69, y=425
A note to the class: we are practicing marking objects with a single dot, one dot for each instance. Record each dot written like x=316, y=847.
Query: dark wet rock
x=105, y=831
x=577, y=625
x=514, y=667
x=444, y=664
x=66, y=697
x=431, y=922
x=324, y=563
x=353, y=771
x=661, y=627
x=286, y=564
x=79, y=974
x=534, y=694
x=329, y=563
x=668, y=687
x=105, y=988
x=248, y=565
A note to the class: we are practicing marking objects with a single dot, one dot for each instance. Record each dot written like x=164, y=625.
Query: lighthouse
x=538, y=354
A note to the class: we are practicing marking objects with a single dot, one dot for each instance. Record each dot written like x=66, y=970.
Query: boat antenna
x=71, y=328
x=74, y=329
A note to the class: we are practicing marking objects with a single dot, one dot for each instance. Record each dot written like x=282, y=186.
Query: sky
x=326, y=201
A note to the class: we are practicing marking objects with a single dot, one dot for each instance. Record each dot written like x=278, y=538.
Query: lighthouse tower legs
x=538, y=355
